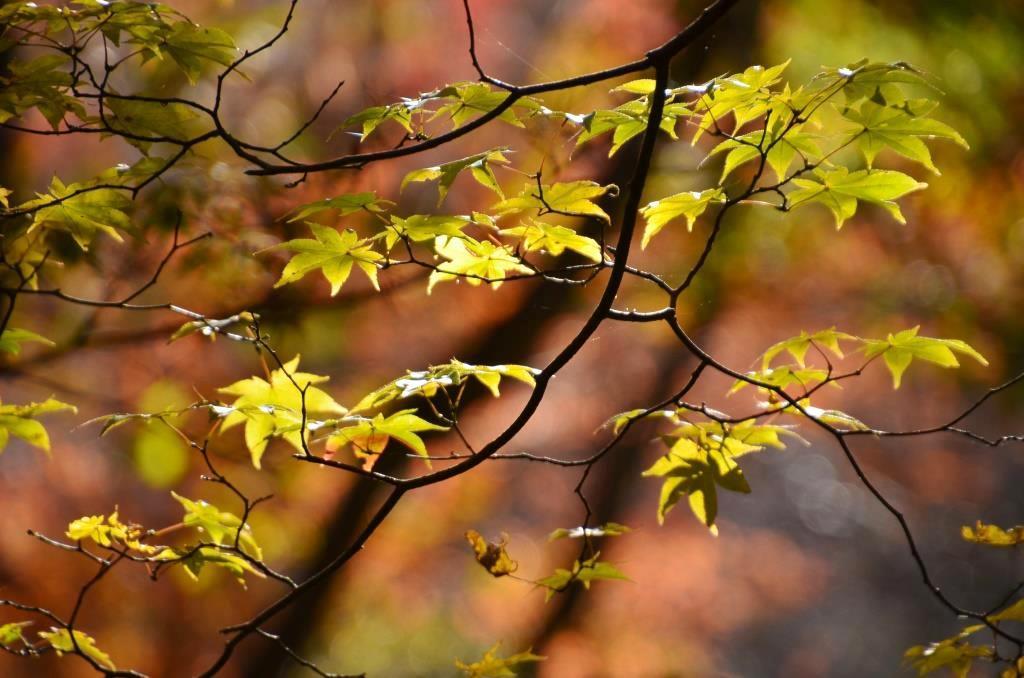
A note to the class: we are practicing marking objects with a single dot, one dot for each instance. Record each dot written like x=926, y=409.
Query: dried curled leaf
x=492, y=555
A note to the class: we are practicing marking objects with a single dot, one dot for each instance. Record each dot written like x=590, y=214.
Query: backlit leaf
x=12, y=339
x=333, y=253
x=274, y=408
x=479, y=166
x=61, y=642
x=899, y=128
x=690, y=204
x=19, y=421
x=218, y=527
x=839, y=190
x=574, y=198
x=553, y=239
x=475, y=261
x=902, y=348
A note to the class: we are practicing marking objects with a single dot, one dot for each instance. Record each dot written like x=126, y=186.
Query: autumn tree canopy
x=448, y=338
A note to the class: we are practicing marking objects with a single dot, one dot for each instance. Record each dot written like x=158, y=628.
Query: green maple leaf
x=955, y=654
x=12, y=339
x=424, y=227
x=902, y=348
x=745, y=95
x=476, y=261
x=784, y=144
x=899, y=128
x=690, y=204
x=19, y=421
x=866, y=80
x=222, y=527
x=274, y=408
x=783, y=377
x=195, y=559
x=149, y=119
x=798, y=346
x=839, y=190
x=333, y=253
x=695, y=473
x=479, y=166
x=574, y=198
x=539, y=236
x=373, y=117
x=585, y=573
x=369, y=436
x=192, y=47
x=466, y=100
x=428, y=382
x=81, y=211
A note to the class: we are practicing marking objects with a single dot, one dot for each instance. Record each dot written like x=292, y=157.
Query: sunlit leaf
x=12, y=339
x=476, y=262
x=690, y=204
x=618, y=422
x=798, y=346
x=902, y=348
x=274, y=408
x=19, y=421
x=424, y=227
x=61, y=642
x=899, y=128
x=866, y=80
x=744, y=95
x=369, y=436
x=151, y=120
x=574, y=198
x=839, y=190
x=1014, y=612
x=463, y=101
x=194, y=559
x=553, y=239
x=427, y=382
x=479, y=166
x=333, y=253
x=780, y=146
x=783, y=377
x=219, y=527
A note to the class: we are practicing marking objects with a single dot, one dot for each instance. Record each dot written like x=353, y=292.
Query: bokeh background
x=810, y=577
